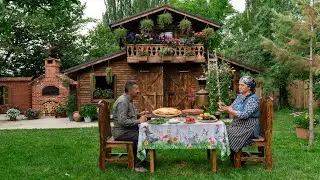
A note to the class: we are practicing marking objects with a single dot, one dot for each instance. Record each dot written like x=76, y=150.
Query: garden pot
x=87, y=119
x=77, y=116
x=302, y=133
x=71, y=117
x=13, y=119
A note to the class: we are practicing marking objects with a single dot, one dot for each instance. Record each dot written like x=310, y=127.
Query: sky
x=96, y=8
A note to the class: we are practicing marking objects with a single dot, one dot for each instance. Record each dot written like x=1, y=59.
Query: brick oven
x=48, y=92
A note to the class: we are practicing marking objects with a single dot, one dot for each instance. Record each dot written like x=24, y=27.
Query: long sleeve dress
x=245, y=125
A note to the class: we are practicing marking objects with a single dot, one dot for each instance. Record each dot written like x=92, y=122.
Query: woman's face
x=243, y=88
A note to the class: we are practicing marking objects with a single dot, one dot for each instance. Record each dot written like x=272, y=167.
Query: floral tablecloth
x=183, y=136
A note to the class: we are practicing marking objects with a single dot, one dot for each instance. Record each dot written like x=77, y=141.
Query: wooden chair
x=263, y=143
x=107, y=142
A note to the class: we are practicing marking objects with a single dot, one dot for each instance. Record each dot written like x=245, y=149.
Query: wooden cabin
x=164, y=81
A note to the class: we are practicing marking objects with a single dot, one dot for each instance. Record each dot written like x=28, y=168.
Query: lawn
x=73, y=154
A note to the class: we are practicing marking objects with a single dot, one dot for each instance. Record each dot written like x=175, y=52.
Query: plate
x=189, y=122
x=193, y=111
x=158, y=121
x=165, y=115
x=209, y=121
x=174, y=122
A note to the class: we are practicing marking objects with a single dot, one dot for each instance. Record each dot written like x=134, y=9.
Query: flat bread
x=167, y=111
x=193, y=111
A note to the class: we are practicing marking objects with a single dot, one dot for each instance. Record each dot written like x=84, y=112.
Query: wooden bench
x=263, y=143
x=107, y=142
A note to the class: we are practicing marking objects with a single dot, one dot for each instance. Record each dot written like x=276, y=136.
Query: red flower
x=169, y=141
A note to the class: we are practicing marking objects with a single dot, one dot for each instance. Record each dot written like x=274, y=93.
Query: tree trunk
x=311, y=126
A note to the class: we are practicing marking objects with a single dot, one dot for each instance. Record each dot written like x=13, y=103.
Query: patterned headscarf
x=250, y=82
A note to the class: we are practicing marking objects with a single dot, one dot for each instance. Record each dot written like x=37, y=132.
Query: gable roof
x=238, y=63
x=123, y=52
x=167, y=8
x=94, y=62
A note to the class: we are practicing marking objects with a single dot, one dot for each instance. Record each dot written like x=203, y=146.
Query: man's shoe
x=141, y=169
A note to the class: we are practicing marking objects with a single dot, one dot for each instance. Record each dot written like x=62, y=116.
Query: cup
x=149, y=115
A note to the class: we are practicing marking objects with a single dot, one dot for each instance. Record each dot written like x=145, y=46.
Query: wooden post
x=152, y=156
x=237, y=159
x=130, y=156
x=214, y=160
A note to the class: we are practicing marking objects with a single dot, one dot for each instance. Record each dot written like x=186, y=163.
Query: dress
x=245, y=125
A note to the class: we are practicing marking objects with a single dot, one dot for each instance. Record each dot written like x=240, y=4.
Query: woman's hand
x=224, y=108
x=144, y=112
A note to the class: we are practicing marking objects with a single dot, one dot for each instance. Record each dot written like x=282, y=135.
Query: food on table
x=158, y=121
x=206, y=116
x=174, y=121
x=192, y=111
x=167, y=112
x=190, y=120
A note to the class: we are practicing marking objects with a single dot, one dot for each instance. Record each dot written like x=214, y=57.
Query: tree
x=243, y=34
x=101, y=41
x=294, y=45
x=34, y=29
x=120, y=9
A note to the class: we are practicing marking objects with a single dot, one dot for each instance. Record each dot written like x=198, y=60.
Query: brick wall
x=19, y=93
x=49, y=79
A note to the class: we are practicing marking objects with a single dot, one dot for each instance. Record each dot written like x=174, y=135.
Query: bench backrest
x=104, y=121
x=266, y=117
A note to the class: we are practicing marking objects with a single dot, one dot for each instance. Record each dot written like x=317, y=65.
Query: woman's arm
x=250, y=107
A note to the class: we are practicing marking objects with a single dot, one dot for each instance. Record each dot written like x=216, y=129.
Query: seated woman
x=246, y=112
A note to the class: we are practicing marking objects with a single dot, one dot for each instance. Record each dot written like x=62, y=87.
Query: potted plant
x=103, y=93
x=88, y=111
x=143, y=55
x=109, y=75
x=185, y=26
x=120, y=32
x=167, y=53
x=71, y=106
x=60, y=112
x=207, y=32
x=164, y=20
x=13, y=114
x=301, y=119
x=146, y=25
x=32, y=114
x=92, y=81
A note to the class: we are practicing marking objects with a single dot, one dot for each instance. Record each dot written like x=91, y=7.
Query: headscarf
x=250, y=82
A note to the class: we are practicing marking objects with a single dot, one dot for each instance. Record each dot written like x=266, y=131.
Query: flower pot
x=87, y=119
x=71, y=117
x=13, y=118
x=77, y=116
x=302, y=133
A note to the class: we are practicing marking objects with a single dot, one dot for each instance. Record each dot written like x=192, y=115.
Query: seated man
x=126, y=121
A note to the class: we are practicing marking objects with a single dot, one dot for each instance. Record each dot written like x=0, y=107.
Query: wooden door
x=150, y=80
x=177, y=86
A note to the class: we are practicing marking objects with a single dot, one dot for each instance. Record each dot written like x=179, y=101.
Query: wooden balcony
x=156, y=53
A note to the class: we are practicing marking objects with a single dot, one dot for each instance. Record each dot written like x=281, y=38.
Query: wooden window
x=103, y=89
x=50, y=91
x=4, y=95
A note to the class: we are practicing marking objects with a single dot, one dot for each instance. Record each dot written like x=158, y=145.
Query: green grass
x=73, y=154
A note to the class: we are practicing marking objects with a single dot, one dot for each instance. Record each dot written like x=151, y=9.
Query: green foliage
x=92, y=81
x=164, y=20
x=13, y=113
x=167, y=51
x=207, y=32
x=120, y=32
x=103, y=93
x=302, y=119
x=190, y=53
x=109, y=75
x=88, y=110
x=71, y=105
x=142, y=53
x=146, y=25
x=33, y=30
x=224, y=72
x=61, y=110
x=185, y=26
x=32, y=114
x=101, y=42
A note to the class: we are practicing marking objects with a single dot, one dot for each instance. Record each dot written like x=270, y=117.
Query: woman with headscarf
x=245, y=111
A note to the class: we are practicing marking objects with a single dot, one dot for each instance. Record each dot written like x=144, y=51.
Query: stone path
x=44, y=123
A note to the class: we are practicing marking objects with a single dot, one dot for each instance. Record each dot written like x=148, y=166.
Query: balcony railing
x=158, y=53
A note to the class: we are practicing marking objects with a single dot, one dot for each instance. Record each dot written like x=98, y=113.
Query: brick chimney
x=52, y=67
